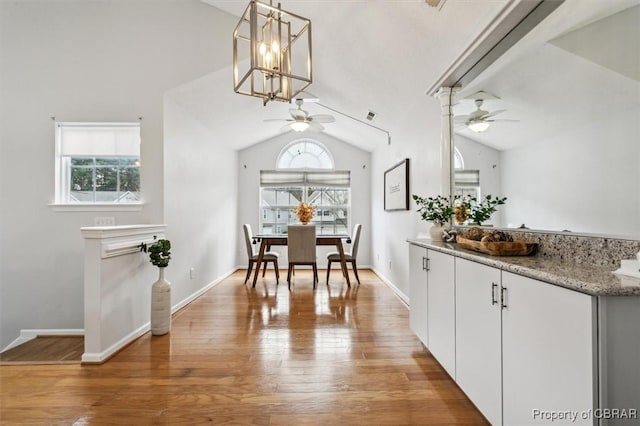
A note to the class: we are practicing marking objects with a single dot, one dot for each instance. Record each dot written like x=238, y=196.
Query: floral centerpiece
x=462, y=208
x=437, y=210
x=304, y=212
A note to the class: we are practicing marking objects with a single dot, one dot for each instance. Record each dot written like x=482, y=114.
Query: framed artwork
x=396, y=187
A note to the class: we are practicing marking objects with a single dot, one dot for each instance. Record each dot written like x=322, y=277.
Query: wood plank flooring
x=46, y=350
x=262, y=356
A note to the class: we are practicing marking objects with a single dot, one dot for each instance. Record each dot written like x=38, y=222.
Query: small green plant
x=434, y=209
x=482, y=210
x=159, y=252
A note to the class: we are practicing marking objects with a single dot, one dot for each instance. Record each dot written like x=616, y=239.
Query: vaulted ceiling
x=378, y=55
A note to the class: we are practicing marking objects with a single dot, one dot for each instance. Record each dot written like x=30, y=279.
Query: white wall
x=82, y=61
x=201, y=197
x=574, y=164
x=418, y=138
x=263, y=156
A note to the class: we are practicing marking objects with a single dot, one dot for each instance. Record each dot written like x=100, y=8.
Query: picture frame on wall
x=396, y=187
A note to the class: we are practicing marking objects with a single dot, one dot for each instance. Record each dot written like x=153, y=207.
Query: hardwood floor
x=46, y=350
x=262, y=356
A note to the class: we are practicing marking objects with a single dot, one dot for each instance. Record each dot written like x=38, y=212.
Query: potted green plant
x=436, y=210
x=482, y=210
x=159, y=255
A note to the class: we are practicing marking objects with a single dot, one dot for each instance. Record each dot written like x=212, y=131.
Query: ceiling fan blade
x=503, y=120
x=322, y=118
x=278, y=119
x=298, y=114
x=315, y=127
x=493, y=113
x=461, y=118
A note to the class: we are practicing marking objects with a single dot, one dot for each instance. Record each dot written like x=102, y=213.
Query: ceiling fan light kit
x=299, y=126
x=277, y=44
x=478, y=126
x=301, y=120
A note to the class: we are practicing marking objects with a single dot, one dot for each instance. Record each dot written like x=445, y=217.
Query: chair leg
x=289, y=275
x=355, y=270
x=328, y=271
x=249, y=269
x=315, y=275
x=264, y=270
x=275, y=265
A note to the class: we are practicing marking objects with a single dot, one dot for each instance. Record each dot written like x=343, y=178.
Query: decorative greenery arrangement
x=434, y=209
x=159, y=252
x=304, y=212
x=482, y=210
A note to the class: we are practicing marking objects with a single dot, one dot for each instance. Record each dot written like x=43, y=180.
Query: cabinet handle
x=424, y=263
x=494, y=286
x=503, y=297
x=428, y=268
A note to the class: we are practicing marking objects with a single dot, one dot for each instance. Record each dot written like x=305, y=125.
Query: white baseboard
x=403, y=297
x=203, y=290
x=30, y=334
x=100, y=357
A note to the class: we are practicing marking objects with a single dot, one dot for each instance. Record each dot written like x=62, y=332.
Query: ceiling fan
x=301, y=120
x=479, y=120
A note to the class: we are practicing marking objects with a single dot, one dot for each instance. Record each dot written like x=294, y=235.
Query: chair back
x=355, y=240
x=301, y=243
x=248, y=236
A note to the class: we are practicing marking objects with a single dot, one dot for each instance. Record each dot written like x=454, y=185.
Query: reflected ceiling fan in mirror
x=301, y=120
x=480, y=120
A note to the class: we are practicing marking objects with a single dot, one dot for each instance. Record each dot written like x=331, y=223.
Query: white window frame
x=62, y=171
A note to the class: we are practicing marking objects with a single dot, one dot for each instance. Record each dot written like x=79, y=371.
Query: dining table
x=268, y=240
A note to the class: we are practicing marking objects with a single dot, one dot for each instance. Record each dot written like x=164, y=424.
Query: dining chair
x=269, y=256
x=301, y=249
x=350, y=257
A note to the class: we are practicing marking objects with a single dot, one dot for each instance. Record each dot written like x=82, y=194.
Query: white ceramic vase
x=436, y=232
x=160, y=305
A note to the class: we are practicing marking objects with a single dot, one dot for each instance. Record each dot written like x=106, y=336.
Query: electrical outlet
x=192, y=273
x=104, y=221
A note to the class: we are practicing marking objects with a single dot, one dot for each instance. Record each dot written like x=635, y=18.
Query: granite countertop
x=589, y=279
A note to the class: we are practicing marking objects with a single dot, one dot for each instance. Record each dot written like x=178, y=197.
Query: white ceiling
x=378, y=55
x=579, y=65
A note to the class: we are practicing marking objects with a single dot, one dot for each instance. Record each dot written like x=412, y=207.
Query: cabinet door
x=478, y=345
x=418, y=291
x=441, y=312
x=547, y=351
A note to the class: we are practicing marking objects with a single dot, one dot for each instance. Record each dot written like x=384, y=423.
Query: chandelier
x=274, y=46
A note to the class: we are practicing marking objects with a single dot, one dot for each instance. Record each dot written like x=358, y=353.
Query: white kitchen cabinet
x=478, y=336
x=441, y=309
x=418, y=292
x=548, y=346
x=432, y=303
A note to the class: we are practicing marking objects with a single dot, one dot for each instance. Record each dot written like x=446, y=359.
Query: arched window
x=466, y=182
x=458, y=161
x=305, y=153
x=305, y=172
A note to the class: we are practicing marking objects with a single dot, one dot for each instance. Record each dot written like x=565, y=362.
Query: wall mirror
x=565, y=149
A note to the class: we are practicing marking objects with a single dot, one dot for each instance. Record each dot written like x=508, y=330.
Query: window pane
x=106, y=184
x=130, y=179
x=82, y=161
x=105, y=161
